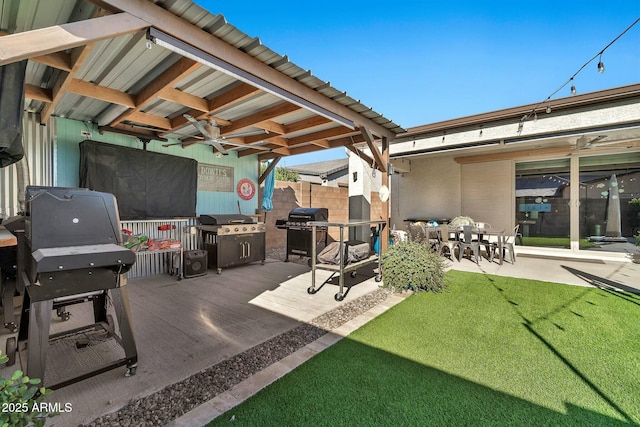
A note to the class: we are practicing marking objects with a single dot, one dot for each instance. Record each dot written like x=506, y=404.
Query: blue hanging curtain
x=269, y=184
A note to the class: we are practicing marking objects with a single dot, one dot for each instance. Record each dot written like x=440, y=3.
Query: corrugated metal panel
x=160, y=262
x=38, y=148
x=116, y=63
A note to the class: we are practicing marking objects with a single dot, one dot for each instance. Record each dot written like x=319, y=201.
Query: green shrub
x=20, y=398
x=412, y=265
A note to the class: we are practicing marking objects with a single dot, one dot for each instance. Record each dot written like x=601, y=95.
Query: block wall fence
x=290, y=195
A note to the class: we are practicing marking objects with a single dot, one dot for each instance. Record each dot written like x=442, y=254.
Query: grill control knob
x=244, y=228
x=236, y=229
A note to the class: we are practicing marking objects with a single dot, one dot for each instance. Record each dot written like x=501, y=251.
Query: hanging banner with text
x=215, y=178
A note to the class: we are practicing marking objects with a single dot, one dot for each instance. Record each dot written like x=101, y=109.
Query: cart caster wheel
x=309, y=262
x=131, y=371
x=63, y=314
x=11, y=351
x=311, y=291
x=219, y=271
x=338, y=296
x=353, y=274
x=378, y=279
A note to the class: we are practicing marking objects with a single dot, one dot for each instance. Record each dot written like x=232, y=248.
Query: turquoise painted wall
x=67, y=164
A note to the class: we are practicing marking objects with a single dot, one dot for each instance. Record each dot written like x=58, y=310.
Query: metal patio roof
x=94, y=61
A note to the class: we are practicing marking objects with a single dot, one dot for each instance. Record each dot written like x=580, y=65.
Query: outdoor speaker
x=195, y=263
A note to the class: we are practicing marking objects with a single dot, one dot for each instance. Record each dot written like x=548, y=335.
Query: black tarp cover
x=11, y=106
x=146, y=184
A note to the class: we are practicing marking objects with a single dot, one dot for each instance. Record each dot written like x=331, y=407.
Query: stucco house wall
x=432, y=189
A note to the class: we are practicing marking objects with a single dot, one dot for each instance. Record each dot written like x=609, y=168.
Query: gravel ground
x=175, y=400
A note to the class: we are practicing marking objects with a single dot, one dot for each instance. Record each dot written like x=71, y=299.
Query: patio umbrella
x=613, y=211
x=267, y=195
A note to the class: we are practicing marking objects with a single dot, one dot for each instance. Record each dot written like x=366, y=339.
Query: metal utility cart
x=341, y=268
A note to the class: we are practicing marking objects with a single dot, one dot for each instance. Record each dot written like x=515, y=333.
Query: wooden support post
x=384, y=239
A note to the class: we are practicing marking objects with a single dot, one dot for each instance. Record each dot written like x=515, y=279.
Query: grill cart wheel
x=63, y=314
x=339, y=296
x=311, y=291
x=131, y=371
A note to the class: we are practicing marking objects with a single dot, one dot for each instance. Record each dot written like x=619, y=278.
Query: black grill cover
x=146, y=184
x=11, y=107
x=225, y=219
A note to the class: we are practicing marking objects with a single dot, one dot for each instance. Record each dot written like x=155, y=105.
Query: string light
x=573, y=87
x=600, y=65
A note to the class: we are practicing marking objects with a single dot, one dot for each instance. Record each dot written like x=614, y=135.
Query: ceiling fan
x=584, y=142
x=211, y=135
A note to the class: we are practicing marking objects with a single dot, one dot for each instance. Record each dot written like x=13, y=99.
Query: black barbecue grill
x=232, y=239
x=73, y=254
x=299, y=237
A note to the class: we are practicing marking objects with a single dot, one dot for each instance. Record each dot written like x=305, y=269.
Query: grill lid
x=309, y=214
x=225, y=219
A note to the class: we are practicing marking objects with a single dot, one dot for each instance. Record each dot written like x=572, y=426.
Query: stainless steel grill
x=231, y=239
x=299, y=237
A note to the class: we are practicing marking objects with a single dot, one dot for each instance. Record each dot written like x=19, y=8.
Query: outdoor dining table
x=481, y=233
x=489, y=232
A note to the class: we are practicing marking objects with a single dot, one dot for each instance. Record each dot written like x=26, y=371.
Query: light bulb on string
x=573, y=87
x=600, y=65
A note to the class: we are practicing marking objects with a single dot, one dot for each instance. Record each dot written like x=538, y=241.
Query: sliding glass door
x=542, y=202
x=610, y=201
x=607, y=202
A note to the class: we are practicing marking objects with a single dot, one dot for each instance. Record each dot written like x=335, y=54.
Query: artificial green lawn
x=488, y=351
x=555, y=242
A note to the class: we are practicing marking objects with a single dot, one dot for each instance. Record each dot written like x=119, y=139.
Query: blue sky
x=419, y=62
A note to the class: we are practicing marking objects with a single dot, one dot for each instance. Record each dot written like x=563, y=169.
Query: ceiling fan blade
x=197, y=125
x=257, y=147
x=205, y=134
x=173, y=143
x=216, y=144
x=248, y=133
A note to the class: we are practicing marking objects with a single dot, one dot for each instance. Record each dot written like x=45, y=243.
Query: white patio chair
x=446, y=242
x=508, y=244
x=466, y=242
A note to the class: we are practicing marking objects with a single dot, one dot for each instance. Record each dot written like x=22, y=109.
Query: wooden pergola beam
x=368, y=137
x=92, y=90
x=268, y=170
x=78, y=56
x=44, y=41
x=261, y=116
x=183, y=67
x=359, y=153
